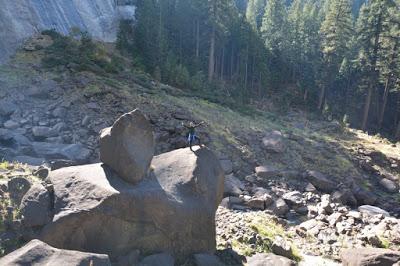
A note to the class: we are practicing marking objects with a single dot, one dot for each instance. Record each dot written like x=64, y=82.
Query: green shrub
x=78, y=52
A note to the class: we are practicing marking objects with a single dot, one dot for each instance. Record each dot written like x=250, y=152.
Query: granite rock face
x=21, y=19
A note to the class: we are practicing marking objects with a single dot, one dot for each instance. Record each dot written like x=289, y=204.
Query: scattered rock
x=320, y=181
x=7, y=107
x=11, y=124
x=334, y=218
x=293, y=198
x=268, y=259
x=310, y=188
x=41, y=132
x=372, y=210
x=266, y=171
x=256, y=203
x=364, y=197
x=280, y=208
x=59, y=112
x=73, y=152
x=345, y=197
x=39, y=253
x=369, y=256
x=273, y=142
x=282, y=248
x=128, y=146
x=324, y=207
x=233, y=186
x=389, y=185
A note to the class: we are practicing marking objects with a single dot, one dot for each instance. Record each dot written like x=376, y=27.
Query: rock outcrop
x=369, y=256
x=128, y=146
x=172, y=210
x=21, y=19
x=37, y=253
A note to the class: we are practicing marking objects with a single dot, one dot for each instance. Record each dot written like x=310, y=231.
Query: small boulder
x=41, y=132
x=293, y=198
x=274, y=142
x=35, y=207
x=320, y=181
x=37, y=253
x=324, y=207
x=363, y=196
x=280, y=208
x=42, y=172
x=227, y=166
x=369, y=256
x=11, y=124
x=207, y=260
x=266, y=171
x=372, y=210
x=233, y=186
x=128, y=146
x=7, y=107
x=256, y=203
x=345, y=197
x=74, y=152
x=269, y=259
x=17, y=187
x=282, y=248
x=389, y=185
x=164, y=259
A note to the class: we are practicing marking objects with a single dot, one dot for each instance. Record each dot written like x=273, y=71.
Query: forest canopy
x=337, y=57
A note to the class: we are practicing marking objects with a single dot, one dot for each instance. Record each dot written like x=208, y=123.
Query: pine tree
x=274, y=32
x=254, y=12
x=336, y=31
x=372, y=25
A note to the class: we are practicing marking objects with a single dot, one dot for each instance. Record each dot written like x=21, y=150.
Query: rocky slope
x=21, y=19
x=295, y=185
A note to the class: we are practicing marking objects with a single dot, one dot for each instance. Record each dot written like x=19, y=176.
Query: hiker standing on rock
x=192, y=133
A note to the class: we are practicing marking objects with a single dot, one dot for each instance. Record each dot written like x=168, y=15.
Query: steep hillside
x=53, y=115
x=22, y=19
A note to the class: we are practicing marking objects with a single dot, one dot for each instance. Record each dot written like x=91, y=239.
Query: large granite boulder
x=171, y=210
x=37, y=253
x=128, y=146
x=369, y=256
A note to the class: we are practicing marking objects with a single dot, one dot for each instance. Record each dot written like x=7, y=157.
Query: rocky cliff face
x=22, y=18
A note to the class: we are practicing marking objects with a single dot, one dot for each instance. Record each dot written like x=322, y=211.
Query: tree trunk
x=366, y=108
x=246, y=67
x=397, y=135
x=384, y=102
x=197, y=38
x=211, y=59
x=232, y=63
x=321, y=100
x=222, y=63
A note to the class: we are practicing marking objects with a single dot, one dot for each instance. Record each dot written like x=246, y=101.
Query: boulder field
x=165, y=203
